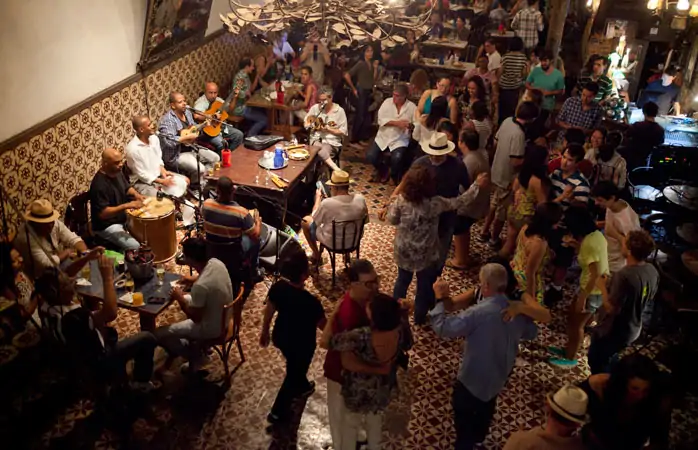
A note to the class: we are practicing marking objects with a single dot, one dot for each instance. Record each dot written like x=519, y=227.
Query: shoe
x=309, y=391
x=563, y=362
x=552, y=297
x=273, y=418
x=557, y=351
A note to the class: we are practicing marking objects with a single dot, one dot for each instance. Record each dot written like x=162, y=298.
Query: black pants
x=508, y=99
x=140, y=348
x=472, y=417
x=603, y=352
x=361, y=116
x=296, y=381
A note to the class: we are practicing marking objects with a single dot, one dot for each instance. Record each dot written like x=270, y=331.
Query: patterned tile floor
x=204, y=416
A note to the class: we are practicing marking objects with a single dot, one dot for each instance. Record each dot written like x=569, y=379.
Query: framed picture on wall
x=172, y=26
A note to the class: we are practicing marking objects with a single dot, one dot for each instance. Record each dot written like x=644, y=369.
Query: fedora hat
x=570, y=402
x=41, y=211
x=339, y=178
x=438, y=145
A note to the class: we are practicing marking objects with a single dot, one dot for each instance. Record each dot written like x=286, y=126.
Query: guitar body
x=191, y=131
x=214, y=129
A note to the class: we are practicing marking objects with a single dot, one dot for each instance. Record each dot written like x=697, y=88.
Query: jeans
x=258, y=118
x=250, y=248
x=603, y=352
x=397, y=156
x=296, y=381
x=180, y=339
x=140, y=348
x=472, y=417
x=447, y=226
x=336, y=412
x=117, y=235
x=508, y=99
x=229, y=137
x=424, y=300
x=361, y=117
x=189, y=167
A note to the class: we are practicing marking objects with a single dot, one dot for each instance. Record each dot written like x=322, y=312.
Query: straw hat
x=570, y=402
x=41, y=211
x=438, y=145
x=339, y=178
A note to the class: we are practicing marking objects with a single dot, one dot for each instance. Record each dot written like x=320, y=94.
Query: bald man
x=177, y=152
x=144, y=160
x=229, y=136
x=110, y=197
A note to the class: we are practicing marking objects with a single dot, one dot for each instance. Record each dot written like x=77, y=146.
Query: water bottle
x=278, y=157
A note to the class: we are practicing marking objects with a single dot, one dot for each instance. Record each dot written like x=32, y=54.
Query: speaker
x=267, y=252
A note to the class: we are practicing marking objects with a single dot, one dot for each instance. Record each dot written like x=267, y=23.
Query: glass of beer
x=160, y=271
x=138, y=299
x=86, y=271
x=128, y=283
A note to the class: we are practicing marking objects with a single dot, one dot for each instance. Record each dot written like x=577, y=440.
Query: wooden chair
x=344, y=248
x=77, y=215
x=230, y=334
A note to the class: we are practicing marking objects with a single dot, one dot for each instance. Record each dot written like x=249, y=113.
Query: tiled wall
x=59, y=162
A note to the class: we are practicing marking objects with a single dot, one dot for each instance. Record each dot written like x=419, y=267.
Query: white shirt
x=42, y=251
x=624, y=222
x=495, y=61
x=394, y=137
x=202, y=104
x=337, y=115
x=212, y=291
x=144, y=160
x=283, y=50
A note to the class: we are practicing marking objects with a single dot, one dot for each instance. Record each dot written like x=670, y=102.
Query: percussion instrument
x=154, y=224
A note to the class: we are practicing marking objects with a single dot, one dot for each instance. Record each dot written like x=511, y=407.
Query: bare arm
x=535, y=259
x=350, y=83
x=108, y=311
x=269, y=311
x=453, y=110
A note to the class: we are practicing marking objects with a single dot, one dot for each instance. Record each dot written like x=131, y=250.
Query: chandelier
x=350, y=21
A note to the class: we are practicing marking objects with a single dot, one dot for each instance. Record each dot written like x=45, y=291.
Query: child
x=300, y=313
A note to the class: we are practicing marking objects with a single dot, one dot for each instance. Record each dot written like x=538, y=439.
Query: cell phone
x=156, y=300
x=322, y=188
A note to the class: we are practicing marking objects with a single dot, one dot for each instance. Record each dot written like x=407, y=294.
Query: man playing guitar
x=327, y=123
x=241, y=91
x=228, y=137
x=177, y=132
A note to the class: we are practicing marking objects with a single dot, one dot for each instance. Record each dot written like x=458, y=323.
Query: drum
x=154, y=225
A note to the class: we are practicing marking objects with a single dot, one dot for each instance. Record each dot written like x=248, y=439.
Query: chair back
x=229, y=253
x=232, y=318
x=347, y=234
x=77, y=215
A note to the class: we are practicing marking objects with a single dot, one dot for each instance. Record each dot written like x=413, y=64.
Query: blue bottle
x=278, y=157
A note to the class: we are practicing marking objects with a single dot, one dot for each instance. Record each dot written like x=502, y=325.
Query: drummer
x=144, y=160
x=109, y=200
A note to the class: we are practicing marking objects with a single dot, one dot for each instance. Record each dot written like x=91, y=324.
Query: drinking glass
x=160, y=271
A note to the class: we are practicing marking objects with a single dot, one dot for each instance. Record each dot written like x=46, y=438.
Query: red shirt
x=350, y=315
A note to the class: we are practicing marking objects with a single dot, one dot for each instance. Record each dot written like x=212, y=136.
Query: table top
x=260, y=101
x=497, y=34
x=464, y=67
x=244, y=168
x=457, y=8
x=449, y=43
x=149, y=289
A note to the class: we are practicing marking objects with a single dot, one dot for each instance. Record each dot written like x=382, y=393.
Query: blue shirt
x=490, y=346
x=663, y=96
x=580, y=185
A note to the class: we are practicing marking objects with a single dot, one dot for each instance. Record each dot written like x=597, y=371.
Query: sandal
x=451, y=263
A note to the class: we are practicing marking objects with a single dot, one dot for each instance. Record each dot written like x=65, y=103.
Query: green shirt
x=242, y=83
x=594, y=249
x=553, y=81
x=605, y=85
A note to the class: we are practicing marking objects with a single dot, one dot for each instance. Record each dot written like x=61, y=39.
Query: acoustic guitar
x=214, y=128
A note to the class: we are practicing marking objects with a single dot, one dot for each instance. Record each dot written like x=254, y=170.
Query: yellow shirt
x=594, y=249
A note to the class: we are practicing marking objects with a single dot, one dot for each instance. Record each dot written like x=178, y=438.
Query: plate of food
x=298, y=154
x=26, y=339
x=7, y=354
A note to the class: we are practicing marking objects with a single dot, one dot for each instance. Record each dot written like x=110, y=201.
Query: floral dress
x=366, y=393
x=523, y=207
x=518, y=265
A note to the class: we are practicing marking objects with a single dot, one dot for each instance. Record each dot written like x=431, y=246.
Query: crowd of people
x=507, y=151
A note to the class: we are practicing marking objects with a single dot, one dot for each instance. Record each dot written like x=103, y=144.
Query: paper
x=83, y=282
x=127, y=298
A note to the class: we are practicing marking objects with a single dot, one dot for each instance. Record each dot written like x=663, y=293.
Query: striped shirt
x=579, y=183
x=513, y=65
x=226, y=222
x=169, y=129
x=605, y=85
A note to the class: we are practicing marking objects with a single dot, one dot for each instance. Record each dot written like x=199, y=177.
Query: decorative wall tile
x=59, y=162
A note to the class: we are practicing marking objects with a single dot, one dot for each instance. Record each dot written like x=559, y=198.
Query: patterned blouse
x=523, y=207
x=520, y=260
x=417, y=234
x=366, y=393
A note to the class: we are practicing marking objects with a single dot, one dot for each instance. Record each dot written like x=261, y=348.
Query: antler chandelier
x=350, y=20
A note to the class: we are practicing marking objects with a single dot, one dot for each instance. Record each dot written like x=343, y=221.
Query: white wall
x=55, y=54
x=222, y=7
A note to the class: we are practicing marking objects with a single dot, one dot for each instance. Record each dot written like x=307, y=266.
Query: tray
x=263, y=164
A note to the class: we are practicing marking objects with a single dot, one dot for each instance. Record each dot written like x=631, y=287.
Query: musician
x=327, y=123
x=177, y=152
x=229, y=137
x=109, y=200
x=144, y=160
x=241, y=90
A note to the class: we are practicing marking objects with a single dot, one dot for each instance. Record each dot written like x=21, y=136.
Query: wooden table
x=455, y=45
x=507, y=34
x=464, y=67
x=149, y=311
x=274, y=110
x=244, y=170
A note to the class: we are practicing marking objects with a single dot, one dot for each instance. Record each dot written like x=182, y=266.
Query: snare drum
x=154, y=224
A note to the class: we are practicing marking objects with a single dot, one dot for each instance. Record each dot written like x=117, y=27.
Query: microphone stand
x=195, y=148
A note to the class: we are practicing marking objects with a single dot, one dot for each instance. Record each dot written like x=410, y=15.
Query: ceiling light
x=652, y=4
x=683, y=5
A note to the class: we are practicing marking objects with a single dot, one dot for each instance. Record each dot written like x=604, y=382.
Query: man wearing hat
x=340, y=207
x=566, y=411
x=44, y=241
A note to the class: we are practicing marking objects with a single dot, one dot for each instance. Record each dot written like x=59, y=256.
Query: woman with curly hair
x=475, y=91
x=427, y=123
x=415, y=213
